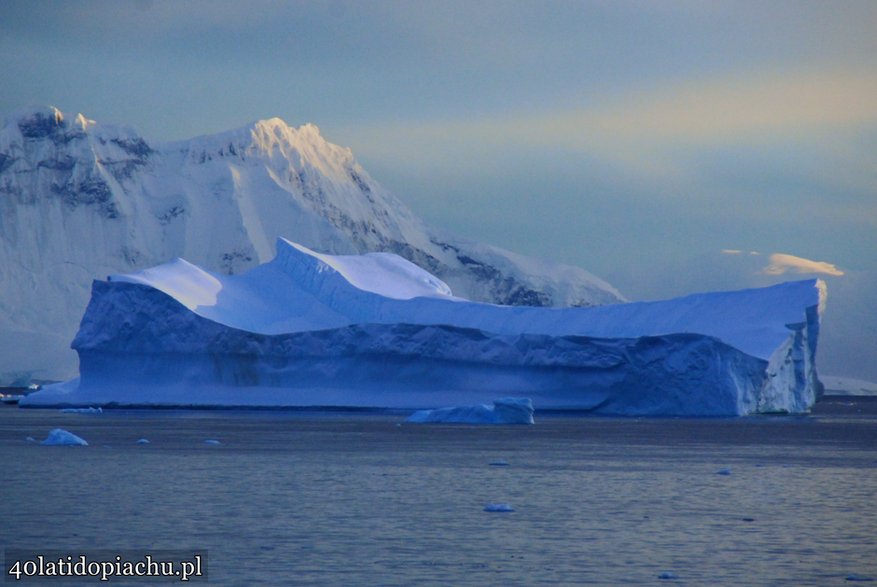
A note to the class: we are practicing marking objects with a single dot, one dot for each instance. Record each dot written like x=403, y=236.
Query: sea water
x=359, y=498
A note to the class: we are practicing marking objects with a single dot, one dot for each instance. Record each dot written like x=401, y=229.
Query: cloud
x=654, y=130
x=740, y=106
x=781, y=263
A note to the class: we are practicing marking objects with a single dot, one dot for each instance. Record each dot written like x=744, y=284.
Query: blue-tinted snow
x=61, y=437
x=309, y=329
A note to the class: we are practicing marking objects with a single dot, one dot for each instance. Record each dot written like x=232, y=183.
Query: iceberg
x=88, y=410
x=511, y=410
x=498, y=508
x=377, y=331
x=61, y=437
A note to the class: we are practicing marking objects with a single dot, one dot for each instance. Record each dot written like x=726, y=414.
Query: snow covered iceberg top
x=302, y=290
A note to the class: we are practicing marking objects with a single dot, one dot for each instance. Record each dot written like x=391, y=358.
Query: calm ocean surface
x=309, y=498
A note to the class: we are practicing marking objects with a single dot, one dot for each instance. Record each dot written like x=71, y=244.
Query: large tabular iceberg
x=374, y=330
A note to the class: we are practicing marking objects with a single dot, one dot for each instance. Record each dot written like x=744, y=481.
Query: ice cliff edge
x=374, y=330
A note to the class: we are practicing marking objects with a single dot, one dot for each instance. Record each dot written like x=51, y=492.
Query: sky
x=667, y=147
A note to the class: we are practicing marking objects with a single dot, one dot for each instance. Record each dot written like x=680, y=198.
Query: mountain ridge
x=80, y=199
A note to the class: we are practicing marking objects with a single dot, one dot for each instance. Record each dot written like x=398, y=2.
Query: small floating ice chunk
x=510, y=410
x=725, y=471
x=60, y=437
x=667, y=575
x=89, y=410
x=142, y=441
x=498, y=507
x=30, y=439
x=212, y=441
x=499, y=463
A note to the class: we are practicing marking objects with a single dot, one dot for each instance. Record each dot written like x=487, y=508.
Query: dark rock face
x=136, y=147
x=49, y=124
x=41, y=125
x=6, y=161
x=77, y=168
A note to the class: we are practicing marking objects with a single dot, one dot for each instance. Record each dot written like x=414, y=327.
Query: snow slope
x=376, y=331
x=80, y=200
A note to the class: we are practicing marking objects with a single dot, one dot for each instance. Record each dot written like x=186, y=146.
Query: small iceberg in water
x=88, y=410
x=510, y=410
x=61, y=437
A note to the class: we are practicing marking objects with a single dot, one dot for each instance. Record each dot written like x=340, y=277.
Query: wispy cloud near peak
x=738, y=252
x=781, y=263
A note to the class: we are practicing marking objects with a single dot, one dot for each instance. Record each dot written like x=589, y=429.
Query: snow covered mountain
x=310, y=329
x=80, y=200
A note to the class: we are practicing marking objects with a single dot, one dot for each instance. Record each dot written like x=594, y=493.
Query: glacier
x=80, y=200
x=377, y=331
